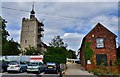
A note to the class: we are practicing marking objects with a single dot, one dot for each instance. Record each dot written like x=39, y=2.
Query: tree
x=57, y=54
x=5, y=33
x=57, y=41
x=0, y=35
x=71, y=54
x=57, y=51
x=9, y=47
x=31, y=51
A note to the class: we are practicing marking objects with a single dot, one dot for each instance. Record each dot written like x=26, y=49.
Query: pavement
x=76, y=70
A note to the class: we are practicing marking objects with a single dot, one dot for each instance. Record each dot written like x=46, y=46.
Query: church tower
x=31, y=32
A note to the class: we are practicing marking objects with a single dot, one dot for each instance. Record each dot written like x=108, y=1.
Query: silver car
x=36, y=67
x=17, y=66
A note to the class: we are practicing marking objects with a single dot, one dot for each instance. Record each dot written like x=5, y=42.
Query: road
x=73, y=70
x=28, y=75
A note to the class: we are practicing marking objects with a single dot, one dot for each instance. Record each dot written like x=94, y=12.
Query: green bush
x=117, y=62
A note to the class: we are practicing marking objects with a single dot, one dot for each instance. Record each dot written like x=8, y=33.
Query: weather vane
x=33, y=6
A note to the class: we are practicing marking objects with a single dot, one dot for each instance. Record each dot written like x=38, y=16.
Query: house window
x=100, y=42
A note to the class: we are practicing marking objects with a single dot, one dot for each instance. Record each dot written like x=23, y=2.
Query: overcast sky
x=71, y=20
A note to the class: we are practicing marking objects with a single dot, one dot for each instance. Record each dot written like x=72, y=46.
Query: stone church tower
x=31, y=33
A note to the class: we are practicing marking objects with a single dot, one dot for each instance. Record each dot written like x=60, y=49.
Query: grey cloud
x=60, y=0
x=62, y=15
x=73, y=40
x=111, y=22
x=0, y=8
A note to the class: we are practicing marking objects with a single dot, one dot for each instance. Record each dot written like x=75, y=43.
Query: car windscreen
x=33, y=64
x=52, y=64
x=13, y=63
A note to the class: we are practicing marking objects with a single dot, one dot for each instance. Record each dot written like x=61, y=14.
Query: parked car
x=3, y=66
x=35, y=67
x=17, y=66
x=51, y=67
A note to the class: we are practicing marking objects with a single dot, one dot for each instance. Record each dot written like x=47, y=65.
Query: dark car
x=3, y=66
x=51, y=67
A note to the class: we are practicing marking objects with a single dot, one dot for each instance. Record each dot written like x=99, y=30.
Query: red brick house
x=103, y=44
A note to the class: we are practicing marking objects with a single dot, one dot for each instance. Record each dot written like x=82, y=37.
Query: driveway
x=76, y=70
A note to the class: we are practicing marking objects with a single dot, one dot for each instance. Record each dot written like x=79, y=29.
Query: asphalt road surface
x=28, y=75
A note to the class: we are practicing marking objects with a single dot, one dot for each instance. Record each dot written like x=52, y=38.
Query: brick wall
x=99, y=31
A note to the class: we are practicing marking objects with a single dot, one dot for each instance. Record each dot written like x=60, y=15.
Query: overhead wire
x=42, y=13
x=68, y=17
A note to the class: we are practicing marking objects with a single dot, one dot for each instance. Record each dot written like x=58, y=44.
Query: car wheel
x=21, y=70
x=28, y=72
x=45, y=72
x=1, y=71
x=56, y=72
x=39, y=71
x=9, y=71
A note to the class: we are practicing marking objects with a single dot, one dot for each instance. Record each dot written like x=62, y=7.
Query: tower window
x=28, y=26
x=25, y=41
x=39, y=30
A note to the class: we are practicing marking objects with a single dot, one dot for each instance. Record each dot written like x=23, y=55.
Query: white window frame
x=100, y=42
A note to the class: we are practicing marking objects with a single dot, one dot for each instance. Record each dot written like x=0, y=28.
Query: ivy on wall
x=88, y=52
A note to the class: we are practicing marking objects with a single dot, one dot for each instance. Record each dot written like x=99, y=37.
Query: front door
x=101, y=59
